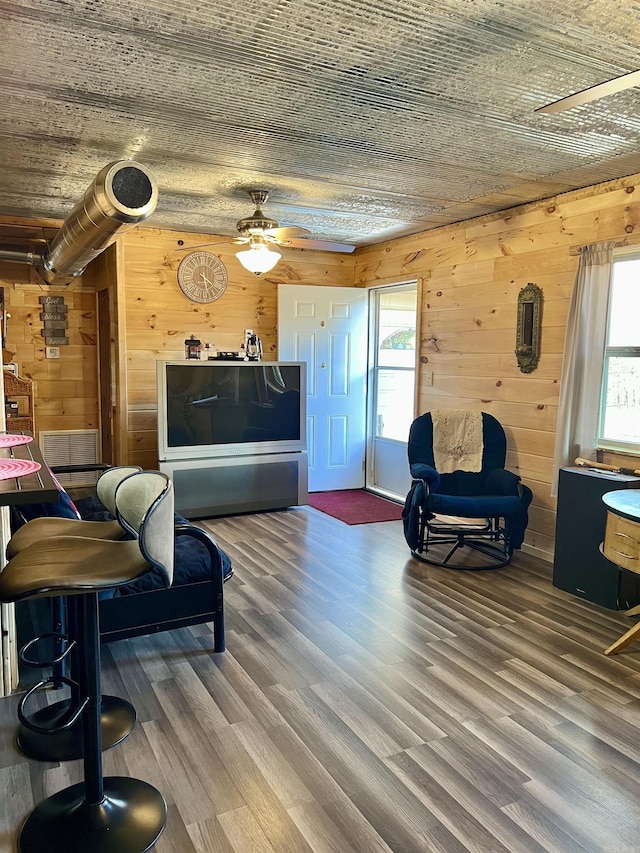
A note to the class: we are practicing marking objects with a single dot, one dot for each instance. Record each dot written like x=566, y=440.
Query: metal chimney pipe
x=121, y=195
x=19, y=256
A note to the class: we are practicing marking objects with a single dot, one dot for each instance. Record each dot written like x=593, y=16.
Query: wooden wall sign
x=54, y=319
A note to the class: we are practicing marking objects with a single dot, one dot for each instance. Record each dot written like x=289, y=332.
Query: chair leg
x=219, y=644
x=112, y=815
x=118, y=717
x=624, y=640
x=59, y=626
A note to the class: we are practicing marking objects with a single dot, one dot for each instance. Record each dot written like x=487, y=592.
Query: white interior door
x=327, y=328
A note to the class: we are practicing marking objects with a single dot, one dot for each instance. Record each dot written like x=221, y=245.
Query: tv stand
x=228, y=485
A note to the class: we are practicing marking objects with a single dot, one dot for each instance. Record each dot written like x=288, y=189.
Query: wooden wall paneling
x=494, y=364
x=106, y=375
x=444, y=294
x=622, y=460
x=104, y=279
x=474, y=271
x=481, y=342
x=530, y=466
x=118, y=322
x=159, y=317
x=538, y=391
x=66, y=388
x=420, y=288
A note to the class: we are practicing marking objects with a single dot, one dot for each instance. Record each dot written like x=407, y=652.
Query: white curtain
x=579, y=406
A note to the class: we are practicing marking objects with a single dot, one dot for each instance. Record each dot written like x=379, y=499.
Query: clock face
x=202, y=277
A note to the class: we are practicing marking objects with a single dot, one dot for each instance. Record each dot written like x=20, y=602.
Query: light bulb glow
x=258, y=259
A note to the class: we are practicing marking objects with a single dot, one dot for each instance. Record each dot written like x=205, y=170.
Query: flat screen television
x=209, y=409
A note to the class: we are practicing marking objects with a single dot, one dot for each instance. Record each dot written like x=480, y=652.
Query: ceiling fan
x=593, y=93
x=259, y=232
x=260, y=225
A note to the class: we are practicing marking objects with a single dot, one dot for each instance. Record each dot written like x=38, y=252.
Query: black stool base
x=130, y=819
x=117, y=719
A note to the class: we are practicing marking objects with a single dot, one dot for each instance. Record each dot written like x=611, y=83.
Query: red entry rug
x=355, y=506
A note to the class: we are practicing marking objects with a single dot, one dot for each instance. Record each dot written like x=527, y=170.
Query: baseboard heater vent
x=72, y=447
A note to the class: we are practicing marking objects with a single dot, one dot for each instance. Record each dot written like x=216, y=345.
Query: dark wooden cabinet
x=578, y=565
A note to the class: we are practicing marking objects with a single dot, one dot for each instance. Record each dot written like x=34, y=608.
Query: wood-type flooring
x=368, y=702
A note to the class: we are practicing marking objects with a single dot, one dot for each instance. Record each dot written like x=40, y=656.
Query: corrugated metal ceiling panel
x=364, y=119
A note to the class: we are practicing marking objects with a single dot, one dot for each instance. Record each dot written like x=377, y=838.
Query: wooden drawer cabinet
x=622, y=542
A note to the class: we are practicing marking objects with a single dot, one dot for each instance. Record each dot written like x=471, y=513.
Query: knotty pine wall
x=159, y=317
x=472, y=273
x=66, y=389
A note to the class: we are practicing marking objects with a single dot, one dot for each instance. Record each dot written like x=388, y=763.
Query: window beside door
x=395, y=363
x=620, y=402
x=391, y=395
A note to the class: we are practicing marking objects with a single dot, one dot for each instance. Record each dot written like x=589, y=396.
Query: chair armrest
x=499, y=481
x=210, y=544
x=421, y=471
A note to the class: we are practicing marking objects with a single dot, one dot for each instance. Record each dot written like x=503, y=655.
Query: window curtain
x=581, y=384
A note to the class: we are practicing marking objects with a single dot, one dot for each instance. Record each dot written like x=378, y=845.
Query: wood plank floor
x=368, y=702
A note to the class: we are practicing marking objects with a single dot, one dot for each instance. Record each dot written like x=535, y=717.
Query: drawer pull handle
x=629, y=541
x=622, y=554
x=630, y=538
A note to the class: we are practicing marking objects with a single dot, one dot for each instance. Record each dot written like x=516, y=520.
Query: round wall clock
x=202, y=277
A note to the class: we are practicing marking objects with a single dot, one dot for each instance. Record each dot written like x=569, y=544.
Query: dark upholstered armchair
x=461, y=495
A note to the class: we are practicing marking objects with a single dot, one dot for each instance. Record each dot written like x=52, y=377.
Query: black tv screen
x=229, y=407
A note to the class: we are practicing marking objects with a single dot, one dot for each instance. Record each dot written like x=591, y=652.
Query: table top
x=36, y=488
x=625, y=502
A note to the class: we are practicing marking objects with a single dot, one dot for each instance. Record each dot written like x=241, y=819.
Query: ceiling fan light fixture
x=258, y=258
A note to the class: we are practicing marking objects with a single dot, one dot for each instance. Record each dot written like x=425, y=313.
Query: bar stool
x=114, y=814
x=39, y=529
x=52, y=734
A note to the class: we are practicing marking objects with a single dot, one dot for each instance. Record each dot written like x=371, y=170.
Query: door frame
x=371, y=397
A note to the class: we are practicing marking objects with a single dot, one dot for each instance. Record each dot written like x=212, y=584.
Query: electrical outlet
x=428, y=378
x=52, y=352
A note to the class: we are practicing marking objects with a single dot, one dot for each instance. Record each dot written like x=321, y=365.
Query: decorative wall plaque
x=54, y=319
x=529, y=327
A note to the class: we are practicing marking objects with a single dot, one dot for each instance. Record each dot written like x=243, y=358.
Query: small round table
x=622, y=546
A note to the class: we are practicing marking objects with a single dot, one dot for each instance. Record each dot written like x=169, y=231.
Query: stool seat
x=45, y=528
x=71, y=565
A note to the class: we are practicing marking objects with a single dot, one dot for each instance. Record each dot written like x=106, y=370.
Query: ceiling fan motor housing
x=258, y=221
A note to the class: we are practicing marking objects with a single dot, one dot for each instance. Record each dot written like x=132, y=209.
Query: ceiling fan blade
x=322, y=245
x=600, y=90
x=287, y=232
x=199, y=246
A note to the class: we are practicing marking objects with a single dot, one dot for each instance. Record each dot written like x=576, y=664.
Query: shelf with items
x=19, y=391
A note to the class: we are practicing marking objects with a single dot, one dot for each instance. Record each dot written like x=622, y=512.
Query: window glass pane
x=624, y=329
x=397, y=329
x=622, y=401
x=394, y=410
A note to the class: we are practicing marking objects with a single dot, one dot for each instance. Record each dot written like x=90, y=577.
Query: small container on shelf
x=192, y=348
